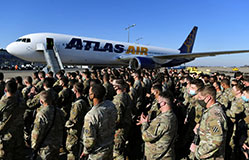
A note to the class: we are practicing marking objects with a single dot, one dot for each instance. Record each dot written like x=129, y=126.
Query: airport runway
x=226, y=70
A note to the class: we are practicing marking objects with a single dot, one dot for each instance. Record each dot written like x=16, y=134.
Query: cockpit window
x=25, y=40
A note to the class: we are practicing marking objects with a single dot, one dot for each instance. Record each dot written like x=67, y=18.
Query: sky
x=223, y=25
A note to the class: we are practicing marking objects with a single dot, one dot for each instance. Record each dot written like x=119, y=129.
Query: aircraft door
x=50, y=43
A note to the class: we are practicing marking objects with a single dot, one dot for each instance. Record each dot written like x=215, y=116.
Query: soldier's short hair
x=46, y=97
x=41, y=74
x=168, y=97
x=28, y=79
x=79, y=87
x=35, y=74
x=239, y=87
x=246, y=89
x=157, y=87
x=208, y=90
x=198, y=83
x=64, y=80
x=51, y=74
x=225, y=81
x=1, y=76
x=60, y=73
x=98, y=90
x=11, y=87
x=246, y=78
x=106, y=77
x=48, y=82
x=119, y=83
x=19, y=79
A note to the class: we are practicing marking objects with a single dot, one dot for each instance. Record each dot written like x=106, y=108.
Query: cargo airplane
x=96, y=52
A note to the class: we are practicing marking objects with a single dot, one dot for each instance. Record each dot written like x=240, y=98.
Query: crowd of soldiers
x=124, y=114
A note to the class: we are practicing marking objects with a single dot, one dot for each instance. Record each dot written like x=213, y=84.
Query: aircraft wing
x=199, y=54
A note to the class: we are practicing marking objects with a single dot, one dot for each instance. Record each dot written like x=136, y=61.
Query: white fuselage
x=83, y=50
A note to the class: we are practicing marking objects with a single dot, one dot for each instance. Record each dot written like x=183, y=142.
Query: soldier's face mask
x=244, y=98
x=192, y=92
x=203, y=102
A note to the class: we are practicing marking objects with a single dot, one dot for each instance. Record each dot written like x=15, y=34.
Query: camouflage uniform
x=39, y=85
x=139, y=89
x=213, y=128
x=35, y=81
x=99, y=129
x=30, y=112
x=133, y=96
x=49, y=148
x=74, y=126
x=154, y=110
x=25, y=92
x=226, y=98
x=237, y=108
x=11, y=128
x=122, y=103
x=109, y=91
x=159, y=136
x=65, y=98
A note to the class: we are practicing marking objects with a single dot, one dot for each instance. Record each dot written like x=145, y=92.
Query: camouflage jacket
x=159, y=135
x=11, y=114
x=122, y=103
x=25, y=92
x=237, y=107
x=213, y=128
x=76, y=119
x=42, y=123
x=35, y=101
x=110, y=92
x=154, y=110
x=226, y=97
x=65, y=98
x=99, y=127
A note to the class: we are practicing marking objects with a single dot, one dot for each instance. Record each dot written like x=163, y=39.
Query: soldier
x=122, y=103
x=139, y=89
x=33, y=103
x=47, y=133
x=11, y=124
x=226, y=96
x=245, y=138
x=25, y=91
x=212, y=129
x=86, y=82
x=19, y=83
x=159, y=135
x=108, y=87
x=39, y=85
x=234, y=115
x=35, y=78
x=99, y=126
x=193, y=115
x=75, y=123
x=154, y=111
x=65, y=97
x=246, y=80
x=218, y=90
x=2, y=85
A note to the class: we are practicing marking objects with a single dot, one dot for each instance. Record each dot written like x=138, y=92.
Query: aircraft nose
x=11, y=48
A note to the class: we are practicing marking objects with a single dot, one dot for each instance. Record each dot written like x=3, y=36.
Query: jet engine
x=142, y=62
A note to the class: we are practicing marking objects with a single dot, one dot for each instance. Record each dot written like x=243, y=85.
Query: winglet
x=189, y=42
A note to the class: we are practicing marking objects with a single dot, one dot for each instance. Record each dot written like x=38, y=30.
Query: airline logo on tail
x=189, y=42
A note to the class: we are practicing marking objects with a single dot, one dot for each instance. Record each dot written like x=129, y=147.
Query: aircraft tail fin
x=188, y=44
